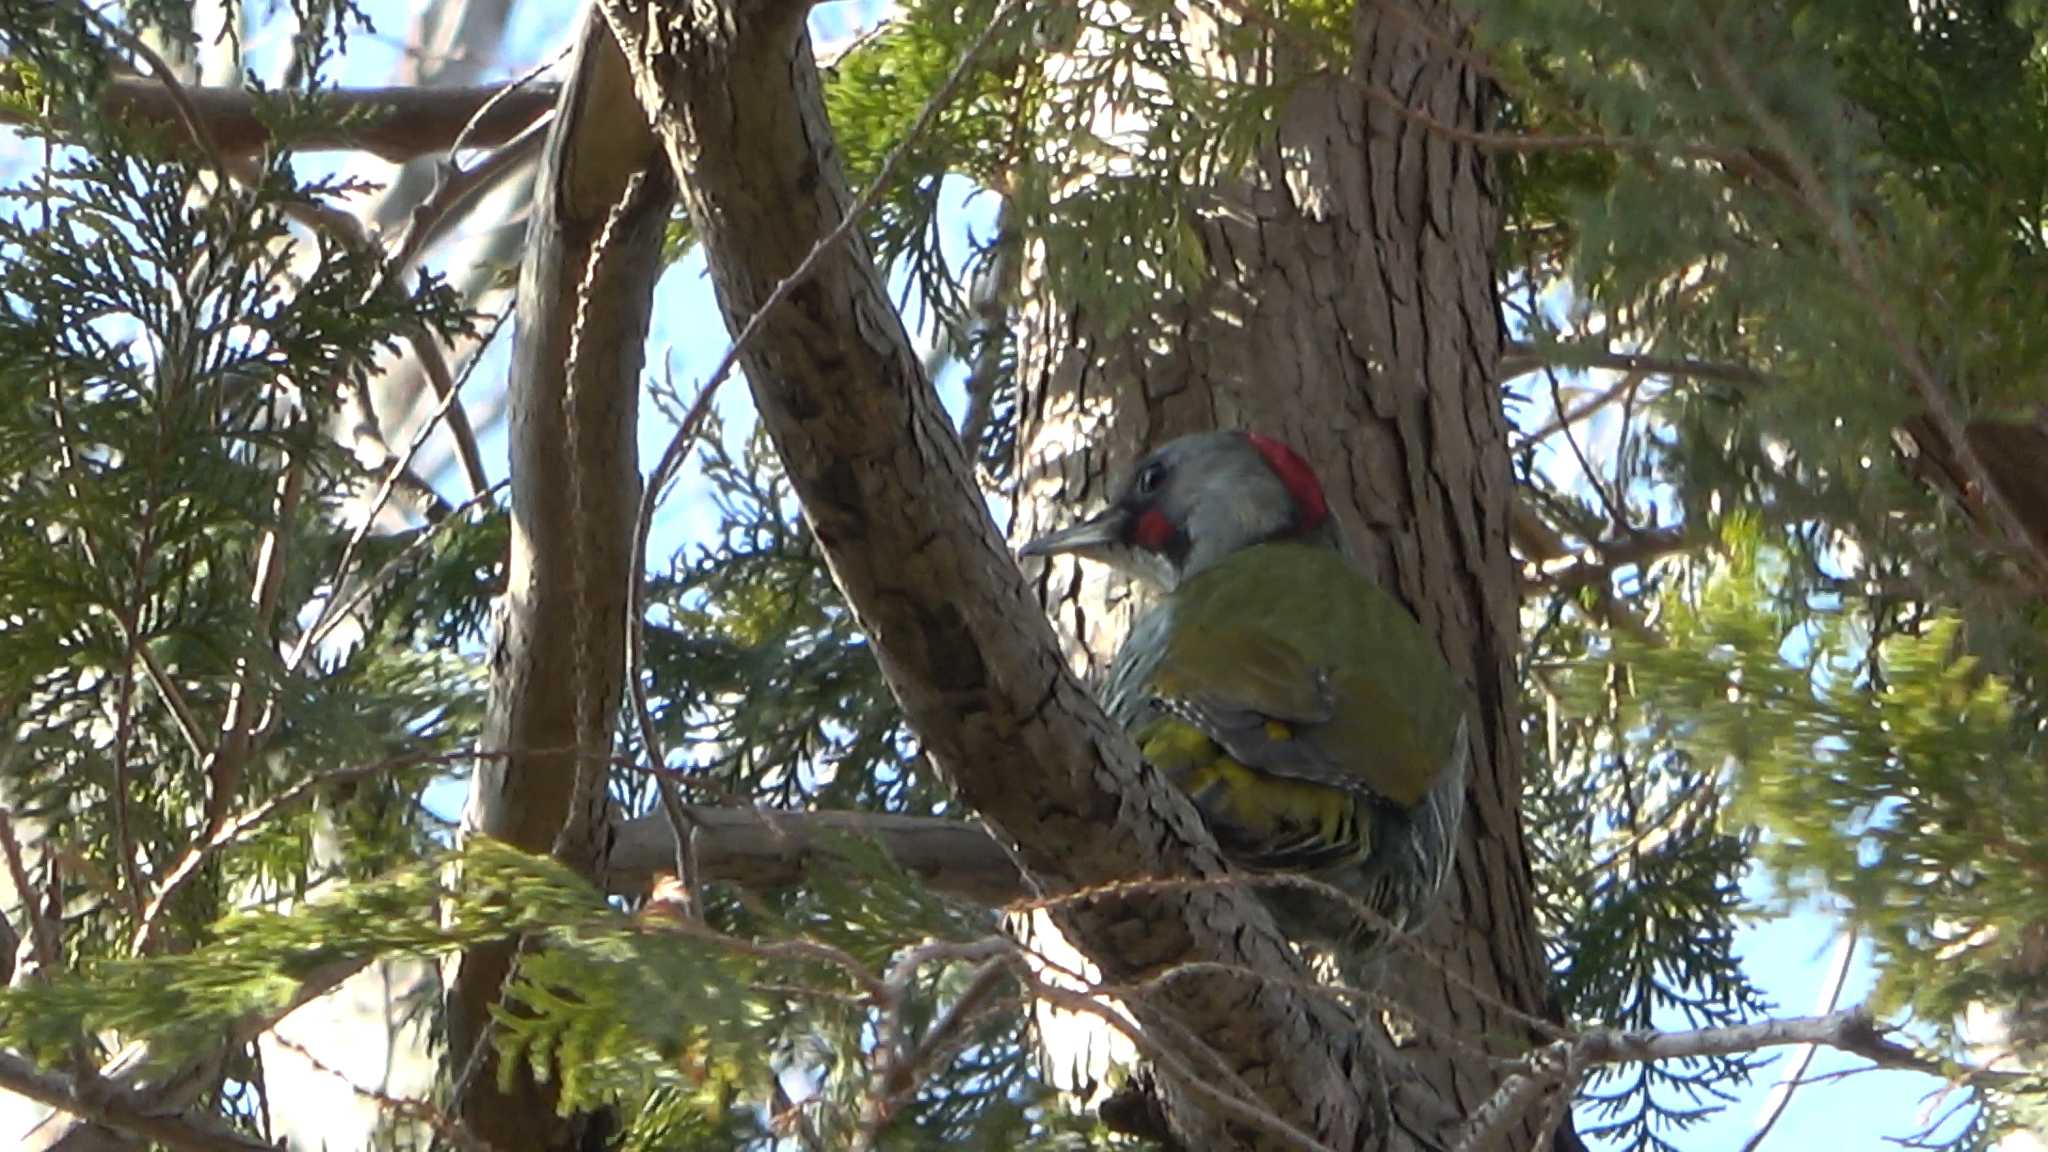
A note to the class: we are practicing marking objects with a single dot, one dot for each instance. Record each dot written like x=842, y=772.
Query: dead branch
x=1557, y=1066
x=393, y=123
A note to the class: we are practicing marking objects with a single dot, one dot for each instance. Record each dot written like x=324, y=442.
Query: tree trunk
x=1351, y=313
x=733, y=92
x=1364, y=286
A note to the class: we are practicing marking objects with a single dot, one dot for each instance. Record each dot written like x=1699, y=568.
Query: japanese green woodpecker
x=1314, y=724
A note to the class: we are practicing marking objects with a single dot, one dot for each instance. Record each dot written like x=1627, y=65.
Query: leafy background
x=1781, y=692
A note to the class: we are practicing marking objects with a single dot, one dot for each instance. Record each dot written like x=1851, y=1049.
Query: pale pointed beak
x=1104, y=530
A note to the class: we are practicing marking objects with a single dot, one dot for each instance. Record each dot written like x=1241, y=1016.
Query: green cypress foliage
x=1777, y=626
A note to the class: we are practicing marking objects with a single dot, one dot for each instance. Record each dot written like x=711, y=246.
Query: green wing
x=1300, y=667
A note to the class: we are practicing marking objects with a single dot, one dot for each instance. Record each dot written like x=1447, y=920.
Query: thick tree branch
x=565, y=602
x=767, y=850
x=394, y=123
x=734, y=95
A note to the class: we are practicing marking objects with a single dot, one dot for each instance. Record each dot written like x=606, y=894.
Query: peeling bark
x=572, y=530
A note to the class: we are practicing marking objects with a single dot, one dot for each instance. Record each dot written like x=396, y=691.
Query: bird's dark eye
x=1149, y=477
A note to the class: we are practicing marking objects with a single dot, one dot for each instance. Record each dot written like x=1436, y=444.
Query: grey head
x=1194, y=501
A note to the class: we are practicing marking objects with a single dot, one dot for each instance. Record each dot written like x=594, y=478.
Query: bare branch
x=455, y=188
x=336, y=607
x=1854, y=1031
x=1781, y=1092
x=567, y=572
x=394, y=123
x=39, y=935
x=186, y=721
x=685, y=439
x=1597, y=563
x=767, y=850
x=453, y=1130
x=173, y=90
x=222, y=766
x=993, y=292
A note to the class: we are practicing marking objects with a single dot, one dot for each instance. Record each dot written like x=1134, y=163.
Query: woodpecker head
x=1194, y=501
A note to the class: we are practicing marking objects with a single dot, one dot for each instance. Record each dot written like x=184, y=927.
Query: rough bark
x=564, y=607
x=733, y=92
x=1352, y=313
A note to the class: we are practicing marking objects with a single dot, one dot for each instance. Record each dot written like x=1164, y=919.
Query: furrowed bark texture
x=1351, y=313
x=734, y=94
x=570, y=509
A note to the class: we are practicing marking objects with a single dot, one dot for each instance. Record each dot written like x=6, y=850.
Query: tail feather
x=1439, y=818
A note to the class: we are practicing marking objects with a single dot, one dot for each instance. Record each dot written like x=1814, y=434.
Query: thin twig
x=1854, y=1031
x=38, y=928
x=433, y=361
x=367, y=587
x=231, y=831
x=992, y=294
x=434, y=365
x=392, y=473
x=124, y=715
x=444, y=1125
x=1781, y=1092
x=454, y=186
x=1249, y=1112
x=898, y=1065
x=1616, y=515
x=161, y=70
x=1335, y=992
x=181, y=710
x=1520, y=359
x=222, y=768
x=1366, y=915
